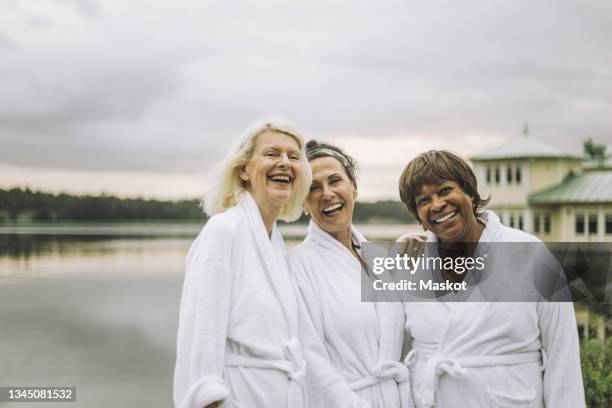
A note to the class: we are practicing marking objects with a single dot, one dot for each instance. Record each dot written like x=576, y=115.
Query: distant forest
x=25, y=205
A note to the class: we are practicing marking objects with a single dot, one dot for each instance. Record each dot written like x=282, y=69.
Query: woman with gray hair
x=237, y=338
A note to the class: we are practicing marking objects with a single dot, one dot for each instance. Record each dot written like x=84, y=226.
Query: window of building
x=488, y=175
x=547, y=223
x=497, y=175
x=592, y=223
x=608, y=223
x=509, y=174
x=579, y=224
x=511, y=220
x=518, y=174
x=520, y=222
x=536, y=223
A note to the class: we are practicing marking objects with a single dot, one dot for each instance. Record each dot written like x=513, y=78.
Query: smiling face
x=272, y=171
x=332, y=196
x=447, y=211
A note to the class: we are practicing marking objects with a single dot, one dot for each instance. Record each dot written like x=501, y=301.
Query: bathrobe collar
x=273, y=254
x=324, y=239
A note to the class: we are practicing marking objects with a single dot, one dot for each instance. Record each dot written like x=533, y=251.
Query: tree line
x=23, y=204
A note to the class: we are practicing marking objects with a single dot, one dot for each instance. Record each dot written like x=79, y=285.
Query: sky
x=143, y=98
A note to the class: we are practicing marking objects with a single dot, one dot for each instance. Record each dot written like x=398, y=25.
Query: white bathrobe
x=237, y=337
x=486, y=354
x=352, y=348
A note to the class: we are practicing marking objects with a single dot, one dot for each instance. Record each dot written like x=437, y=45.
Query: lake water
x=96, y=307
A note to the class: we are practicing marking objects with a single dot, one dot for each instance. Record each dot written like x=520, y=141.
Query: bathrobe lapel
x=325, y=240
x=272, y=252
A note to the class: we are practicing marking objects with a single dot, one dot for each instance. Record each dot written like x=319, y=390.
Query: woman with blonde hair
x=237, y=339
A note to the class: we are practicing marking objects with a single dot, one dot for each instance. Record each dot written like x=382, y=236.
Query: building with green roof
x=546, y=191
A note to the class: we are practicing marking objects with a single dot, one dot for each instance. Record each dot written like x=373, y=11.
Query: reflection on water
x=89, y=257
x=28, y=245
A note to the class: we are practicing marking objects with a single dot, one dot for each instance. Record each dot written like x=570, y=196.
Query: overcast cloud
x=120, y=91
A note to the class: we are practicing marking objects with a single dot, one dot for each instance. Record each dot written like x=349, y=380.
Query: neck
x=478, y=229
x=344, y=237
x=269, y=212
x=465, y=247
x=269, y=216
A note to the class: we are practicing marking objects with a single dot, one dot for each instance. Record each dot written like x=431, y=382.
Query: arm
x=203, y=320
x=562, y=380
x=326, y=386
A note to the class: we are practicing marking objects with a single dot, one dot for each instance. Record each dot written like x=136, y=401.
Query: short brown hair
x=435, y=167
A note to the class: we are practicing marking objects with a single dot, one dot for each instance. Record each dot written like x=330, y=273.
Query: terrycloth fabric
x=352, y=348
x=238, y=328
x=485, y=354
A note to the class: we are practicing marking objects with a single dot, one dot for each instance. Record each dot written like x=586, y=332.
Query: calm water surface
x=96, y=306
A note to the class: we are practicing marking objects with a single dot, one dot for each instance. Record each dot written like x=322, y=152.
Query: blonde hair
x=227, y=185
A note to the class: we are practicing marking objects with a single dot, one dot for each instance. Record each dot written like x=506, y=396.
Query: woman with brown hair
x=352, y=348
x=476, y=354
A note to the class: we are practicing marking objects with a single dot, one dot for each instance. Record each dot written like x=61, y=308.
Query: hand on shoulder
x=412, y=244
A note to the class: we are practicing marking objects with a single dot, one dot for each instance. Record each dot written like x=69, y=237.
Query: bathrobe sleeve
x=326, y=386
x=203, y=321
x=562, y=374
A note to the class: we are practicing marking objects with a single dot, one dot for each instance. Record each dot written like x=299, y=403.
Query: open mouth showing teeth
x=280, y=178
x=332, y=209
x=444, y=218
